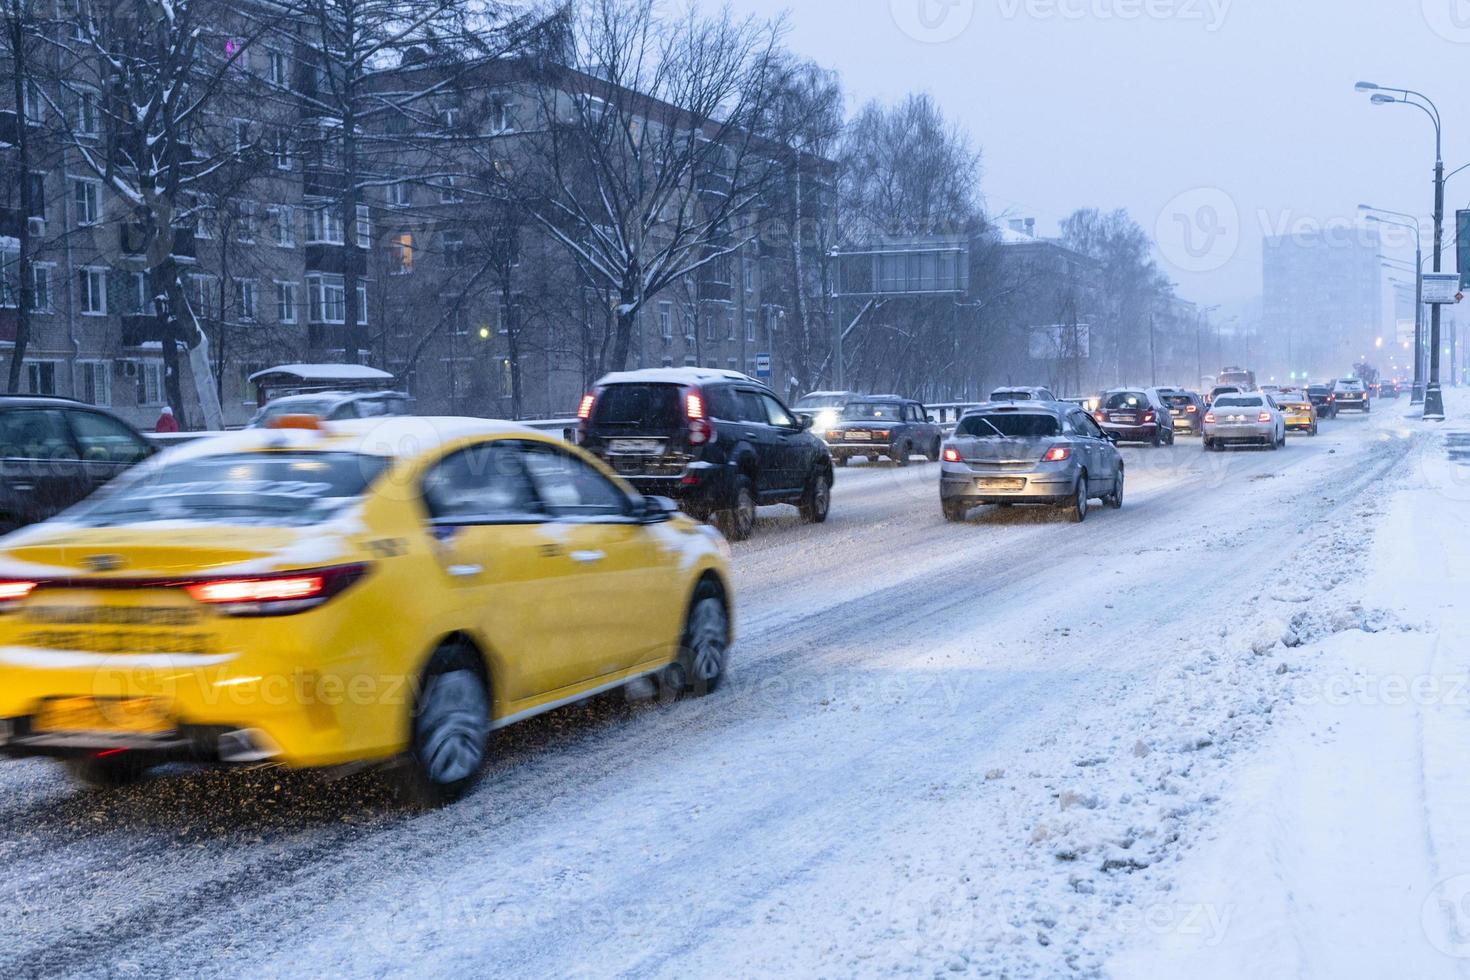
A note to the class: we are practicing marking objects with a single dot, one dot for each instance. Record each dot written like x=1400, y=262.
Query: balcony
x=131, y=235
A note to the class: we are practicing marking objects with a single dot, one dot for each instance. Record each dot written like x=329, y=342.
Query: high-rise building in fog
x=1325, y=303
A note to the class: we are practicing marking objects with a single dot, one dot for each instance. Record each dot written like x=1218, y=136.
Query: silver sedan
x=1244, y=419
x=1029, y=453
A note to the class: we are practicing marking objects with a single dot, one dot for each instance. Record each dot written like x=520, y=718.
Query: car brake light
x=951, y=455
x=1099, y=416
x=1148, y=416
x=265, y=595
x=14, y=589
x=1056, y=454
x=1210, y=417
x=1264, y=417
x=584, y=410
x=694, y=405
x=1192, y=410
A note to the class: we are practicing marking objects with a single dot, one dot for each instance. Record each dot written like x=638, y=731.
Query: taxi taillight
x=311, y=423
x=274, y=595
x=13, y=590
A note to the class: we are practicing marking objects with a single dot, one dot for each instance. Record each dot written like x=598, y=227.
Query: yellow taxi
x=1299, y=412
x=318, y=594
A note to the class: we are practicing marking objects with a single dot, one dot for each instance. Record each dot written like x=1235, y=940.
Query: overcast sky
x=1223, y=119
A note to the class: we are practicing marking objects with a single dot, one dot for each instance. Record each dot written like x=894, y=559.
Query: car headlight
x=826, y=419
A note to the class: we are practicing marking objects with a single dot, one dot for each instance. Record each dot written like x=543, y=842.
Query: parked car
x=1136, y=415
x=1323, y=400
x=1187, y=410
x=54, y=452
x=478, y=572
x=1244, y=418
x=878, y=425
x=334, y=406
x=1298, y=411
x=825, y=407
x=1022, y=394
x=718, y=442
x=1352, y=393
x=1037, y=453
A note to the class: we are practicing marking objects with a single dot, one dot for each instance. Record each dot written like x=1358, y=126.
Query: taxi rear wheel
x=704, y=648
x=108, y=771
x=450, y=732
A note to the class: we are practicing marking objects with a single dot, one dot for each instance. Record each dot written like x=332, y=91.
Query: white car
x=1244, y=419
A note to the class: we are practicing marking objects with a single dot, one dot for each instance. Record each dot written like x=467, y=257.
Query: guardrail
x=566, y=428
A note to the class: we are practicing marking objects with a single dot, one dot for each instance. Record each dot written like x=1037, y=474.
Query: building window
x=362, y=316
x=204, y=295
x=92, y=284
x=666, y=321
x=401, y=253
x=89, y=118
x=41, y=377
x=277, y=68
x=283, y=225
x=326, y=299
x=281, y=149
x=95, y=377
x=245, y=222
x=134, y=294
x=748, y=271
x=749, y=325
x=41, y=286
x=242, y=135
x=88, y=197
x=729, y=323
x=364, y=227
x=10, y=276
x=35, y=105
x=286, y=302
x=451, y=245
x=449, y=192
x=400, y=194
x=690, y=324
x=324, y=226
x=246, y=294
x=150, y=382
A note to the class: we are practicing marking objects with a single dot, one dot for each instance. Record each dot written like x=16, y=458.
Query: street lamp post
x=1433, y=396
x=1416, y=395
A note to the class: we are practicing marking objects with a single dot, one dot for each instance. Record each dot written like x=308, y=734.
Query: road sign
x=1441, y=288
x=1462, y=246
x=763, y=365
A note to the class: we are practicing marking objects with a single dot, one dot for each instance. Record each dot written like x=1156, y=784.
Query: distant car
x=877, y=425
x=54, y=452
x=1298, y=411
x=1323, y=400
x=1022, y=394
x=718, y=442
x=1219, y=390
x=1388, y=389
x=1136, y=415
x=1244, y=418
x=1351, y=393
x=1187, y=409
x=334, y=406
x=825, y=407
x=1038, y=453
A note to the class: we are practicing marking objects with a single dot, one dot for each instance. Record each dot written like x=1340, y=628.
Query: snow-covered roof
x=394, y=435
x=676, y=376
x=325, y=372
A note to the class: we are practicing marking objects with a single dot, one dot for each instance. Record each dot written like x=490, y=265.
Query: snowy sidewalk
x=1345, y=849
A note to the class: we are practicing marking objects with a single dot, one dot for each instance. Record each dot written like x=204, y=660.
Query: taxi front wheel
x=450, y=729
x=704, y=648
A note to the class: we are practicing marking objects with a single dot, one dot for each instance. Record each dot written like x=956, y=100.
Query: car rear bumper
x=700, y=486
x=1133, y=433
x=1029, y=486
x=1188, y=425
x=1254, y=434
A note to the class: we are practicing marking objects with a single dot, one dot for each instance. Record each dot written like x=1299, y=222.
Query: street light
x=1433, y=397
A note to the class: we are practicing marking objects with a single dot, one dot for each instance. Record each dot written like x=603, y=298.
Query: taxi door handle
x=465, y=571
x=587, y=557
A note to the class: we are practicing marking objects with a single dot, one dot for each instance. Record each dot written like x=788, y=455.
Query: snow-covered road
x=990, y=749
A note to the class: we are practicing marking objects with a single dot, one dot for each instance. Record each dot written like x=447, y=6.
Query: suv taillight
x=700, y=431
x=584, y=415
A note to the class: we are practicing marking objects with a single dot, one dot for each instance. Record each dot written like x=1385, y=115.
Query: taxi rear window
x=278, y=488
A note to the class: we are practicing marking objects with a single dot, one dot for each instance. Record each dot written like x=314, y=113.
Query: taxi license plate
x=129, y=716
x=636, y=447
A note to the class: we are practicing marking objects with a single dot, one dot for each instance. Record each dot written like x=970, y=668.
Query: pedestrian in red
x=166, y=421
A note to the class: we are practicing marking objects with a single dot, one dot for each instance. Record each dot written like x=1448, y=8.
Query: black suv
x=54, y=452
x=718, y=442
x=884, y=425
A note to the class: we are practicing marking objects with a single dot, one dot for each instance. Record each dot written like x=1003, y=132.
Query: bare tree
x=646, y=157
x=22, y=52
